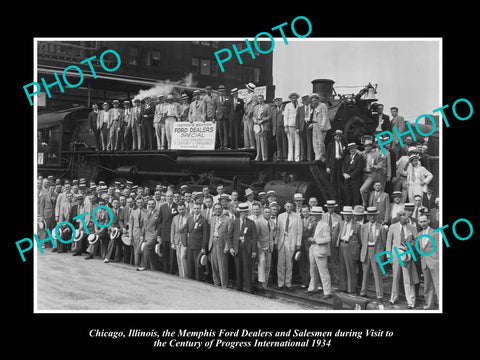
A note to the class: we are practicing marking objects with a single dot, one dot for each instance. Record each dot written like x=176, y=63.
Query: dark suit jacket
x=197, y=237
x=331, y=153
x=386, y=125
x=117, y=219
x=300, y=119
x=223, y=110
x=355, y=168
x=237, y=110
x=277, y=120
x=429, y=204
x=92, y=121
x=250, y=236
x=165, y=218
x=148, y=112
x=150, y=229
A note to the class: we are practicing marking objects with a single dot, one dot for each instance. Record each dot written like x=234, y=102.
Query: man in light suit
x=135, y=229
x=249, y=102
x=398, y=235
x=333, y=220
x=278, y=131
x=308, y=229
x=151, y=235
x=137, y=131
x=115, y=124
x=223, y=106
x=321, y=124
x=46, y=208
x=197, y=242
x=349, y=240
x=114, y=250
x=381, y=201
x=374, y=237
x=373, y=161
x=198, y=108
x=288, y=240
x=103, y=119
x=221, y=229
x=262, y=116
x=429, y=253
x=178, y=238
x=398, y=122
x=166, y=214
x=243, y=247
x=264, y=245
x=318, y=254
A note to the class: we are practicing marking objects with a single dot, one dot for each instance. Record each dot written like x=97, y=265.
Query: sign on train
x=193, y=136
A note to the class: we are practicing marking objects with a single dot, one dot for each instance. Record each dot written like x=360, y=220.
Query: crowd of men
x=251, y=238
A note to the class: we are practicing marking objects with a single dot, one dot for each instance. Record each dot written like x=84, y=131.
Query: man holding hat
x=318, y=254
x=288, y=240
x=115, y=124
x=223, y=107
x=333, y=220
x=308, y=228
x=137, y=132
x=262, y=117
x=114, y=251
x=374, y=237
x=418, y=178
x=172, y=114
x=320, y=125
x=103, y=120
x=243, y=247
x=278, y=130
x=289, y=118
x=264, y=244
x=135, y=229
x=352, y=167
x=80, y=208
x=198, y=108
x=235, y=118
x=197, y=242
x=150, y=236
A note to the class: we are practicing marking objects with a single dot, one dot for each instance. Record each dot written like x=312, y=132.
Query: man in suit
x=243, y=247
x=289, y=118
x=221, y=229
x=137, y=127
x=46, y=208
x=114, y=250
x=373, y=161
x=318, y=254
x=102, y=217
x=128, y=124
x=198, y=108
x=381, y=201
x=79, y=208
x=419, y=208
x=396, y=206
x=428, y=198
x=147, y=124
x=223, y=106
x=63, y=215
x=320, y=124
x=349, y=241
x=381, y=121
x=150, y=236
x=172, y=115
x=373, y=236
x=399, y=123
x=334, y=160
x=288, y=240
x=92, y=125
x=178, y=238
x=278, y=131
x=249, y=102
x=166, y=214
x=197, y=242
x=428, y=247
x=210, y=104
x=333, y=220
x=115, y=124
x=127, y=250
x=235, y=118
x=135, y=230
x=398, y=235
x=103, y=120
x=308, y=229
x=262, y=116
x=352, y=167
x=264, y=245
x=302, y=121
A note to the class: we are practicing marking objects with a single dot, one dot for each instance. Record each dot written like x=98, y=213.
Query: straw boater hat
x=293, y=94
x=413, y=157
x=358, y=210
x=314, y=95
x=271, y=193
x=233, y=91
x=158, y=249
x=114, y=234
x=251, y=86
x=242, y=207
x=372, y=210
x=298, y=255
x=396, y=193
x=347, y=210
x=202, y=259
x=351, y=145
x=331, y=203
x=42, y=224
x=78, y=235
x=126, y=239
x=316, y=210
x=298, y=196
x=92, y=238
x=408, y=206
x=368, y=142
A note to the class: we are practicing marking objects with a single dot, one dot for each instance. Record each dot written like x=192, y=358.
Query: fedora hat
x=42, y=224
x=114, y=234
x=347, y=210
x=298, y=255
x=201, y=260
x=126, y=239
x=368, y=142
x=372, y=210
x=78, y=235
x=358, y=210
x=65, y=232
x=158, y=249
x=293, y=94
x=298, y=196
x=331, y=203
x=92, y=238
x=243, y=207
x=350, y=145
x=316, y=210
x=248, y=191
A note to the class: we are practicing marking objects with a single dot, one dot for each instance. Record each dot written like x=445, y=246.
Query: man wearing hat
x=197, y=242
x=184, y=108
x=264, y=244
x=147, y=125
x=302, y=122
x=373, y=164
x=165, y=217
x=243, y=247
x=137, y=127
x=198, y=109
x=210, y=104
x=103, y=120
x=223, y=107
x=262, y=198
x=352, y=167
x=398, y=235
x=289, y=118
x=262, y=117
x=278, y=130
x=114, y=250
x=92, y=125
x=250, y=196
x=298, y=199
x=349, y=243
x=172, y=114
x=334, y=159
x=80, y=208
x=115, y=124
x=381, y=201
x=320, y=125
x=46, y=207
x=235, y=118
x=128, y=123
x=159, y=123
x=178, y=238
x=374, y=237
x=333, y=220
x=400, y=179
x=150, y=235
x=318, y=254
x=288, y=240
x=396, y=206
x=418, y=178
x=250, y=102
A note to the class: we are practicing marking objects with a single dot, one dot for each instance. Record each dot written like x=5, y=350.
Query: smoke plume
x=165, y=87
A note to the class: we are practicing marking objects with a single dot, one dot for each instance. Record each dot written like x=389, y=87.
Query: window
x=205, y=43
x=132, y=55
x=256, y=75
x=205, y=67
x=247, y=73
x=155, y=58
x=195, y=65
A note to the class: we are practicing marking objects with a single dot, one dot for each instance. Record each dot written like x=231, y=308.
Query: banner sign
x=259, y=90
x=193, y=136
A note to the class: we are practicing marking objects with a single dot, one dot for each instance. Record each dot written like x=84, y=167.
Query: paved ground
x=67, y=282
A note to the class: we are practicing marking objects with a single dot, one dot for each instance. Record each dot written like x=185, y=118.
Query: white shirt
x=289, y=114
x=371, y=230
x=346, y=231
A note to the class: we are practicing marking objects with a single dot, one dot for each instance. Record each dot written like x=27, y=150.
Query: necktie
x=269, y=228
x=287, y=223
x=330, y=221
x=416, y=213
x=402, y=235
x=372, y=233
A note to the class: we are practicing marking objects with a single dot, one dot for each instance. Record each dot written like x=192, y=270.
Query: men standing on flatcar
x=290, y=115
x=302, y=122
x=184, y=107
x=320, y=125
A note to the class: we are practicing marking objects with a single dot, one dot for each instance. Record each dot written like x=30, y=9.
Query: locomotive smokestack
x=324, y=88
